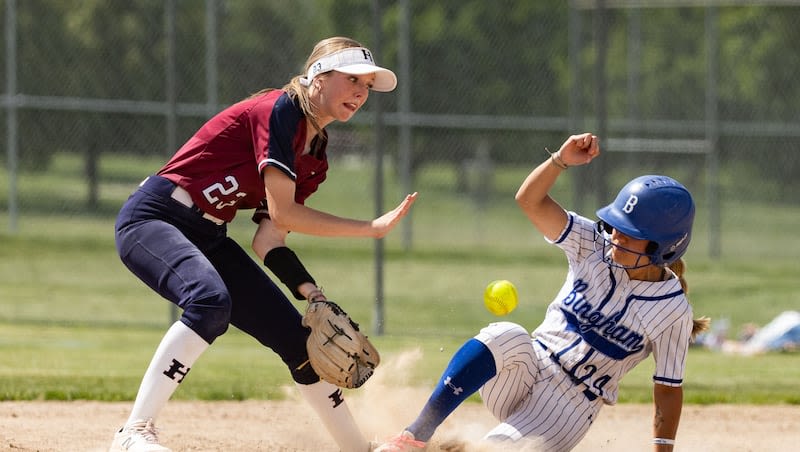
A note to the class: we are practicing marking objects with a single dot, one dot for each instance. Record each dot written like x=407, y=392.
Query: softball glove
x=337, y=350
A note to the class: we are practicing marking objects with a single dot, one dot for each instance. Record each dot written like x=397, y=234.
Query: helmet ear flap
x=652, y=248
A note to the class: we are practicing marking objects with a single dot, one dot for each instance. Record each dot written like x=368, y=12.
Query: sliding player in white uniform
x=623, y=299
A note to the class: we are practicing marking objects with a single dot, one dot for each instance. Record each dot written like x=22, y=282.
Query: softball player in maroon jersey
x=267, y=152
x=622, y=301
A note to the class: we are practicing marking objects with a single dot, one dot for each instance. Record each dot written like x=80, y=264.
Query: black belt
x=586, y=392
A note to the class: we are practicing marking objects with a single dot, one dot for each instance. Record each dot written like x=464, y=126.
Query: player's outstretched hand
x=386, y=222
x=579, y=149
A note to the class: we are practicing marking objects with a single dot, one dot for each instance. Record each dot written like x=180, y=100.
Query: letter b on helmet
x=628, y=207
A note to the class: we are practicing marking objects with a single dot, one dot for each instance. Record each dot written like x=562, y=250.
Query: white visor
x=354, y=61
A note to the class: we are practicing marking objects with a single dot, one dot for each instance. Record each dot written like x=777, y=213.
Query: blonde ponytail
x=700, y=324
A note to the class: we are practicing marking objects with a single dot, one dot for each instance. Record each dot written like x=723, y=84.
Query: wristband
x=287, y=267
x=666, y=441
x=555, y=159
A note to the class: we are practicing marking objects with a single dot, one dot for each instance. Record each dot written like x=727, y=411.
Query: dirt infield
x=290, y=426
x=382, y=407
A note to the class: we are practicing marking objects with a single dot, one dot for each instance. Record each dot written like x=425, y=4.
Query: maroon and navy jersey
x=221, y=165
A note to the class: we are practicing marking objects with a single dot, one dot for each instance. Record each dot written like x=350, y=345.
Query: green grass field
x=75, y=324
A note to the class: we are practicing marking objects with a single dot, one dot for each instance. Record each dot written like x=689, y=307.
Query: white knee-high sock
x=179, y=349
x=328, y=402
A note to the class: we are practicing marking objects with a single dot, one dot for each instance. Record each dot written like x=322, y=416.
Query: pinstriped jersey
x=601, y=323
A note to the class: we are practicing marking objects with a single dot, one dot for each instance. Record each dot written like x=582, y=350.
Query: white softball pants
x=537, y=403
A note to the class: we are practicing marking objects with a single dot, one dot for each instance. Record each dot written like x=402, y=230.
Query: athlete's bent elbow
x=281, y=219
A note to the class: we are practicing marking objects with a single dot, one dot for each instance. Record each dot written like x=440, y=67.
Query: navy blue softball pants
x=192, y=262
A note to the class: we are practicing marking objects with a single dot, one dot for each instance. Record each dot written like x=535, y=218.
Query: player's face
x=341, y=95
x=628, y=251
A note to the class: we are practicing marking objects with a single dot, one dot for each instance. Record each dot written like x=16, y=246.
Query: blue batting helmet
x=654, y=208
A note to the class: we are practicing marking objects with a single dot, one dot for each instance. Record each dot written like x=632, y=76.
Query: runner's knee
x=508, y=342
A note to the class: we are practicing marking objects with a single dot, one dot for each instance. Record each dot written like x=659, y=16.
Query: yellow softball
x=500, y=297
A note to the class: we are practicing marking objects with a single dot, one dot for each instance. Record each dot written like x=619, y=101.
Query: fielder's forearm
x=285, y=264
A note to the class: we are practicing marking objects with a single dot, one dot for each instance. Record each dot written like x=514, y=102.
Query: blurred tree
x=265, y=43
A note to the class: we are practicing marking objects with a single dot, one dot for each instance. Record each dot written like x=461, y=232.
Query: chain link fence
x=706, y=91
